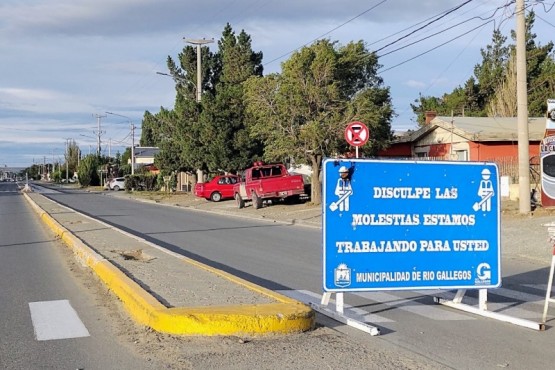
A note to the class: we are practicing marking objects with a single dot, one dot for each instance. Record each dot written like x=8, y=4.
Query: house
x=144, y=156
x=466, y=139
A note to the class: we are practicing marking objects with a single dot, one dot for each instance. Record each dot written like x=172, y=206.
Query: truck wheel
x=215, y=196
x=240, y=201
x=256, y=201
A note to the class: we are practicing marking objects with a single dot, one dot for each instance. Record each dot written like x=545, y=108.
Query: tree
x=72, y=157
x=301, y=113
x=224, y=137
x=87, y=172
x=210, y=135
x=150, y=130
x=492, y=92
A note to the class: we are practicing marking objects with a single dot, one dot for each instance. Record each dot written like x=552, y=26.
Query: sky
x=66, y=63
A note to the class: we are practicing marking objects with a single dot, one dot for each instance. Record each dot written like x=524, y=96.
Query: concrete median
x=267, y=312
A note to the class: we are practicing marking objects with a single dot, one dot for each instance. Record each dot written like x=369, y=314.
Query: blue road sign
x=391, y=225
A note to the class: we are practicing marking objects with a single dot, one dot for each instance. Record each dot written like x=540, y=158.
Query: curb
x=289, y=221
x=286, y=316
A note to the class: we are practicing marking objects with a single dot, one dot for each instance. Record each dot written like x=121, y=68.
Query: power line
x=426, y=25
x=327, y=33
x=434, y=48
x=510, y=2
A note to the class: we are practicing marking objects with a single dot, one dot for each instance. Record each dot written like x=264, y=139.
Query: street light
x=132, y=140
x=67, y=160
x=199, y=43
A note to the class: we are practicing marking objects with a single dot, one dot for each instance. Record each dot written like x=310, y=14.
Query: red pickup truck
x=267, y=181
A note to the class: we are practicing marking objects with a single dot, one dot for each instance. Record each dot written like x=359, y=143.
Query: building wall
x=397, y=150
x=483, y=151
x=445, y=144
x=144, y=160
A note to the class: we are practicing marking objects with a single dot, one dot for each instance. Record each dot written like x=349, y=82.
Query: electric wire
x=425, y=25
x=326, y=33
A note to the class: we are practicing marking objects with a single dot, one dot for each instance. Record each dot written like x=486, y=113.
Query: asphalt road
x=49, y=320
x=288, y=259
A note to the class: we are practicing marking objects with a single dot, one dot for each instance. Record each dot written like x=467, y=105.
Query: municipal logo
x=342, y=276
x=483, y=273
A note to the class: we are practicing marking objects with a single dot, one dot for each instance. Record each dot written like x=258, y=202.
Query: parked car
x=268, y=182
x=220, y=187
x=117, y=183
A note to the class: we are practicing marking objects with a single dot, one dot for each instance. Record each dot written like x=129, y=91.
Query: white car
x=117, y=183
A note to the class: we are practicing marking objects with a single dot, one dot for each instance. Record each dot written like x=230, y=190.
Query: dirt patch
x=135, y=255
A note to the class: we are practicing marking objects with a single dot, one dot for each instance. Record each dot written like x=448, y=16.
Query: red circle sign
x=357, y=133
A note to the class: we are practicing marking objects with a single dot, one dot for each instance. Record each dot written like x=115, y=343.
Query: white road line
x=42, y=190
x=56, y=320
x=430, y=311
x=506, y=308
x=511, y=308
x=540, y=287
x=521, y=296
x=359, y=314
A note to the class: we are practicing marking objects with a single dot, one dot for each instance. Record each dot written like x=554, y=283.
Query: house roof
x=146, y=151
x=480, y=128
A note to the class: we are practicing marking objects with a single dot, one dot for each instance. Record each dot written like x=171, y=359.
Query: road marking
x=56, y=320
x=356, y=313
x=411, y=305
x=42, y=190
x=430, y=311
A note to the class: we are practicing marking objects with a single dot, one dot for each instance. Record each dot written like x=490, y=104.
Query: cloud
x=66, y=60
x=415, y=84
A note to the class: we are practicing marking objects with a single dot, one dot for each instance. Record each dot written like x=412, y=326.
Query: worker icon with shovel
x=485, y=192
x=343, y=190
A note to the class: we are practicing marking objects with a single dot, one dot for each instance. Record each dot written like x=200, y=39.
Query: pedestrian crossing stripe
x=56, y=320
x=513, y=304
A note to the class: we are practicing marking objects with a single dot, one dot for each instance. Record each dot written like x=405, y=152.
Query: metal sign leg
x=548, y=293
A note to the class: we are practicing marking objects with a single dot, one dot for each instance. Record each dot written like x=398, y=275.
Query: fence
x=508, y=166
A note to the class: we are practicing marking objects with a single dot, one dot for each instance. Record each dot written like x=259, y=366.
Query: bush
x=143, y=182
x=87, y=173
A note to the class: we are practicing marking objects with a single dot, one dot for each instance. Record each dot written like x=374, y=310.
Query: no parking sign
x=357, y=134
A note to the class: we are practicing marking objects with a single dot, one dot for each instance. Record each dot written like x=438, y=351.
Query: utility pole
x=522, y=112
x=132, y=140
x=98, y=133
x=199, y=43
x=132, y=148
x=67, y=160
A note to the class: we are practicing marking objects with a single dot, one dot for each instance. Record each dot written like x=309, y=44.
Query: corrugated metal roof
x=480, y=128
x=147, y=152
x=495, y=128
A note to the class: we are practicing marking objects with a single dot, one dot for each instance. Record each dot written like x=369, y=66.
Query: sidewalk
x=166, y=291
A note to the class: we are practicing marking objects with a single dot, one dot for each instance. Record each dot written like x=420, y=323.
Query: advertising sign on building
x=547, y=158
x=392, y=225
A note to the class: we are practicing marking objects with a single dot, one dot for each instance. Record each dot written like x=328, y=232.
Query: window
x=276, y=171
x=461, y=155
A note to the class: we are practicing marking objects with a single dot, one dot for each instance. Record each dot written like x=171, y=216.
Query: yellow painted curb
x=286, y=316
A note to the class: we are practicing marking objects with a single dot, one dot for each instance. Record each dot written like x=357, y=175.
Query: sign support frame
x=482, y=310
x=339, y=313
x=457, y=302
